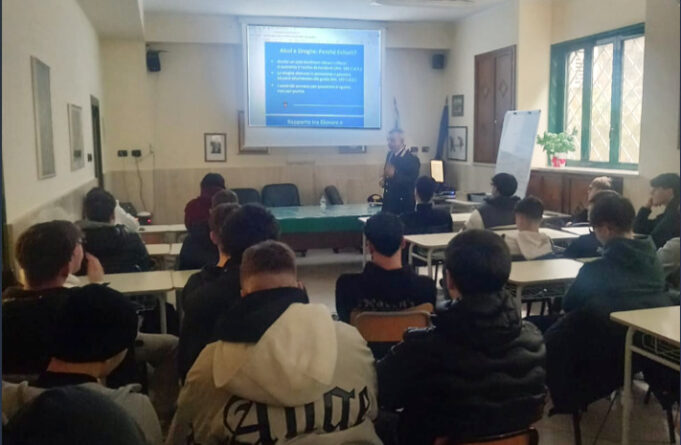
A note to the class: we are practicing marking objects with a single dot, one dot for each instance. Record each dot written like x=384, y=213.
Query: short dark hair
x=530, y=207
x=478, y=261
x=45, y=248
x=95, y=324
x=613, y=210
x=667, y=181
x=99, y=205
x=249, y=225
x=224, y=197
x=268, y=257
x=425, y=188
x=505, y=183
x=602, y=194
x=213, y=180
x=385, y=232
x=219, y=214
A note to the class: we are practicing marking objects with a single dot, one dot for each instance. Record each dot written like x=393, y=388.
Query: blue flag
x=444, y=132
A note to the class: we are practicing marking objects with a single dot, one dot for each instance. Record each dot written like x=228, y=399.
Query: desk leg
x=364, y=249
x=519, y=299
x=429, y=256
x=161, y=297
x=627, y=398
x=411, y=254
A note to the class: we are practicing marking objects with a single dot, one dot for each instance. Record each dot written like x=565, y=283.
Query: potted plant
x=558, y=145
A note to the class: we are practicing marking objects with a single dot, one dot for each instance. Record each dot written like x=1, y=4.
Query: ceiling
x=383, y=10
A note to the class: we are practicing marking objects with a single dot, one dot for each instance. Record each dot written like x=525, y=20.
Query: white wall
x=59, y=34
x=486, y=31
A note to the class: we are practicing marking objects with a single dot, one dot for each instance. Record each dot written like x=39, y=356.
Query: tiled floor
x=319, y=270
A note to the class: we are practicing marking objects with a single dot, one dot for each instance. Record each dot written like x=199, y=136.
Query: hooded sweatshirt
x=282, y=372
x=628, y=276
x=496, y=211
x=197, y=210
x=529, y=245
x=118, y=249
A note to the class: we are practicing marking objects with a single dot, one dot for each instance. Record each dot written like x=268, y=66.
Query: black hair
x=425, y=188
x=268, y=257
x=667, y=181
x=613, y=210
x=213, y=180
x=385, y=232
x=505, y=183
x=249, y=225
x=99, y=205
x=530, y=207
x=45, y=248
x=478, y=261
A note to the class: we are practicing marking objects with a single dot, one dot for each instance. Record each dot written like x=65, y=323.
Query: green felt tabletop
x=314, y=219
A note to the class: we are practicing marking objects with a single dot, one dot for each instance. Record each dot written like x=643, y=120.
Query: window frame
x=558, y=93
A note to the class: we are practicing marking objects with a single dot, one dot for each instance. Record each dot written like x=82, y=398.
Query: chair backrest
x=333, y=197
x=280, y=195
x=390, y=326
x=525, y=437
x=247, y=195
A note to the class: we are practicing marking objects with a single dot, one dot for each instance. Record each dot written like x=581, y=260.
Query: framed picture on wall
x=215, y=147
x=457, y=144
x=241, y=125
x=457, y=105
x=76, y=136
x=42, y=112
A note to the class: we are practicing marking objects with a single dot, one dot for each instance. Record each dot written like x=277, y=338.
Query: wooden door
x=494, y=96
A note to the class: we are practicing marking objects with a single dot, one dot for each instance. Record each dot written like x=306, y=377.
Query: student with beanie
x=664, y=193
x=248, y=225
x=529, y=243
x=281, y=371
x=497, y=210
x=426, y=219
x=94, y=330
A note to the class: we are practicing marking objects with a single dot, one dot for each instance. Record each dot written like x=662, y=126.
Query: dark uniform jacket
x=398, y=191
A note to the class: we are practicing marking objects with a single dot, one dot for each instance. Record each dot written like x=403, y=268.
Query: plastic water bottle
x=322, y=202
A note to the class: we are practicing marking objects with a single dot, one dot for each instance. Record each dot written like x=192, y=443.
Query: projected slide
x=314, y=77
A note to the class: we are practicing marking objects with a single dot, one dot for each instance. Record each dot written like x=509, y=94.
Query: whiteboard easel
x=516, y=146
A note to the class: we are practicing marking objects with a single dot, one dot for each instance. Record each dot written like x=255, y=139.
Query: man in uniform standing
x=399, y=175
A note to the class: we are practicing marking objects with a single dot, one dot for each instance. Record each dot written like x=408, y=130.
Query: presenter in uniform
x=399, y=175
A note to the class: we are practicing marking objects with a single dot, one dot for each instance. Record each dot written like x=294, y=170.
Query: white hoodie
x=308, y=380
x=529, y=244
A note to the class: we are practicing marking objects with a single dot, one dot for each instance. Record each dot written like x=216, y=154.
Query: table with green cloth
x=314, y=227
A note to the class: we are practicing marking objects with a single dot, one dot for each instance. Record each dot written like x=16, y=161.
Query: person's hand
x=95, y=271
x=381, y=182
x=649, y=204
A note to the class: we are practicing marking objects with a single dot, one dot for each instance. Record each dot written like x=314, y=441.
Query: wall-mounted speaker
x=438, y=61
x=153, y=61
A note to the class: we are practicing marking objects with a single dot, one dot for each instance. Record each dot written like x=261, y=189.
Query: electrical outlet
x=89, y=157
x=425, y=149
x=136, y=153
x=122, y=153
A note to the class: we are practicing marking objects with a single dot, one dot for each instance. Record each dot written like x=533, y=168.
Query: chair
x=525, y=437
x=333, y=197
x=389, y=327
x=280, y=195
x=247, y=195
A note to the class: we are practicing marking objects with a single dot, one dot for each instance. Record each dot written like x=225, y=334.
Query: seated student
x=670, y=257
x=480, y=370
x=497, y=210
x=588, y=246
x=628, y=276
x=426, y=219
x=93, y=331
x=67, y=416
x=118, y=249
x=48, y=253
x=665, y=192
x=198, y=209
x=245, y=227
x=281, y=370
x=529, y=243
x=224, y=197
x=385, y=284
x=598, y=184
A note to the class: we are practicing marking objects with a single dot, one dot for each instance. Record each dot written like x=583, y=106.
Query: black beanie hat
x=505, y=183
x=95, y=324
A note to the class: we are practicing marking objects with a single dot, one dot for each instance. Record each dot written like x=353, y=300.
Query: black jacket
x=115, y=247
x=498, y=211
x=586, y=246
x=398, y=191
x=478, y=371
x=427, y=219
x=377, y=289
x=661, y=229
x=197, y=249
x=628, y=276
x=28, y=323
x=219, y=292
